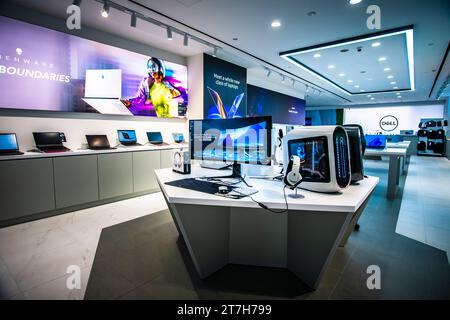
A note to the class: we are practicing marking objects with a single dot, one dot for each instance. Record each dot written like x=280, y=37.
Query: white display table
x=219, y=230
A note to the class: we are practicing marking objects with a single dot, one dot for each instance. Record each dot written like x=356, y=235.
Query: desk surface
x=386, y=152
x=84, y=152
x=403, y=144
x=270, y=193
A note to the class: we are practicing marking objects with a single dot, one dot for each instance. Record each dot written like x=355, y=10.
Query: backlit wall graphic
x=43, y=69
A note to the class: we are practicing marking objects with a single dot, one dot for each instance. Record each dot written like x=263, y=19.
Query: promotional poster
x=225, y=89
x=284, y=109
x=42, y=69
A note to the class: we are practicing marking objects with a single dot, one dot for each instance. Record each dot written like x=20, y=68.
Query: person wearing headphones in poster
x=155, y=90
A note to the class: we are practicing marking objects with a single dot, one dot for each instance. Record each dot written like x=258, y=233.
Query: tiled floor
x=143, y=258
x=34, y=256
x=425, y=211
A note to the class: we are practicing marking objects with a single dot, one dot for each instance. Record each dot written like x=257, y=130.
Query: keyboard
x=55, y=150
x=210, y=187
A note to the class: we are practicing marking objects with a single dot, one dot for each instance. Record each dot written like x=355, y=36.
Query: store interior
x=235, y=150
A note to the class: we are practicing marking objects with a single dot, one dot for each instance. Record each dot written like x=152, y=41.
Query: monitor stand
x=236, y=174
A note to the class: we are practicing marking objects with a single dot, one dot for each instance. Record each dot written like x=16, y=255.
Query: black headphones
x=293, y=177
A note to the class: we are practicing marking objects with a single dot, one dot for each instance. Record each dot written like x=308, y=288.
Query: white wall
x=76, y=129
x=408, y=116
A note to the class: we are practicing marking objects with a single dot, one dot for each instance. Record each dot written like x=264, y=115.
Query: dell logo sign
x=388, y=123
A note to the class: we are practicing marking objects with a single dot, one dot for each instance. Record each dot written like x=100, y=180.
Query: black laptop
x=156, y=138
x=98, y=142
x=9, y=145
x=49, y=142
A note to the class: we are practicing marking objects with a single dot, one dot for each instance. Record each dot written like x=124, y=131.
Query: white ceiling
x=249, y=22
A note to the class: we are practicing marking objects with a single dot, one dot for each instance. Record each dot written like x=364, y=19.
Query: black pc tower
x=356, y=152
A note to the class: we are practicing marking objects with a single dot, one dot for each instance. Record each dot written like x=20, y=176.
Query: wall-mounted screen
x=43, y=69
x=284, y=109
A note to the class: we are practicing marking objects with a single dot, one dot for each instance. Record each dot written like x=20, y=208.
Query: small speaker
x=181, y=161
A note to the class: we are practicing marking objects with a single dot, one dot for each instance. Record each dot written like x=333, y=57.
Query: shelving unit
x=432, y=139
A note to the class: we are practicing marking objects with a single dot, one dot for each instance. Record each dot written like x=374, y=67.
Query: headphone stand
x=296, y=195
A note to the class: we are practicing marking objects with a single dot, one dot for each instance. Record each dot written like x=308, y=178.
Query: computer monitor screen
x=240, y=140
x=127, y=136
x=313, y=154
x=178, y=137
x=47, y=139
x=375, y=141
x=8, y=141
x=154, y=137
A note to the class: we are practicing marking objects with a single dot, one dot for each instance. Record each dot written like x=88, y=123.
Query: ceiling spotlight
x=387, y=69
x=275, y=24
x=376, y=44
x=362, y=90
x=77, y=3
x=393, y=82
x=215, y=51
x=284, y=79
x=331, y=66
x=350, y=81
x=185, y=40
x=317, y=55
x=268, y=72
x=133, y=20
x=372, y=98
x=341, y=74
x=293, y=82
x=382, y=59
x=356, y=86
x=395, y=88
x=399, y=97
x=105, y=10
x=354, y=1
x=390, y=77
x=397, y=93
x=169, y=33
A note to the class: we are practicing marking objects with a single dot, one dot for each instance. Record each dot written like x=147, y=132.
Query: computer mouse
x=223, y=190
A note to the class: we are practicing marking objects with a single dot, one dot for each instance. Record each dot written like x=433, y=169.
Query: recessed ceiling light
x=275, y=24
x=395, y=88
x=372, y=98
x=369, y=95
x=382, y=59
x=354, y=1
x=397, y=93
x=390, y=77
x=311, y=13
x=362, y=90
x=331, y=66
x=362, y=71
x=344, y=50
x=356, y=86
x=399, y=96
x=387, y=69
x=370, y=79
x=376, y=44
x=350, y=81
x=235, y=39
x=341, y=74
x=317, y=55
x=393, y=82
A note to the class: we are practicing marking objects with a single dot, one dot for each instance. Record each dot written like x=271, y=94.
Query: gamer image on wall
x=73, y=74
x=239, y=140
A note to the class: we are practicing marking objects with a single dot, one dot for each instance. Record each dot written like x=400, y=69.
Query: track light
x=293, y=82
x=77, y=3
x=215, y=52
x=105, y=10
x=268, y=72
x=169, y=33
x=185, y=40
x=284, y=79
x=133, y=20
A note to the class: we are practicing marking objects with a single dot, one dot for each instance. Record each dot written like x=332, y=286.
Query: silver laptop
x=103, y=90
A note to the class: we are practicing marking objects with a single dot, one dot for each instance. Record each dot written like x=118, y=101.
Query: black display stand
x=235, y=174
x=432, y=138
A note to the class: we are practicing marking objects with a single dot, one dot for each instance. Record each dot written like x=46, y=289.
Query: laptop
x=98, y=142
x=103, y=90
x=9, y=145
x=156, y=138
x=49, y=142
x=375, y=141
x=178, y=137
x=128, y=138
